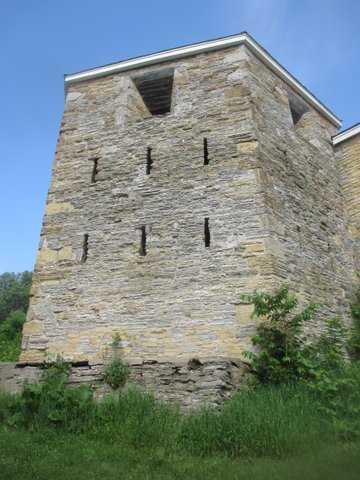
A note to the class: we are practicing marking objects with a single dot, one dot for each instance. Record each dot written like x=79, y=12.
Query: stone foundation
x=190, y=384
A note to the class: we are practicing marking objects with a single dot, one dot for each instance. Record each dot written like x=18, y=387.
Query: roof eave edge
x=346, y=135
x=241, y=39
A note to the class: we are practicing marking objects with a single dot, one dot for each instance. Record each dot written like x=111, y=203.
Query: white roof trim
x=241, y=39
x=345, y=135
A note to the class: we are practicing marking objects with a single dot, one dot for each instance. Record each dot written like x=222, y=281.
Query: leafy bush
x=335, y=383
x=287, y=356
x=279, y=338
x=354, y=337
x=116, y=374
x=12, y=326
x=51, y=402
x=14, y=299
x=10, y=336
x=330, y=347
x=14, y=293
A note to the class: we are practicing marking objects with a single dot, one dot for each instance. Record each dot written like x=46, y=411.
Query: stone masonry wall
x=305, y=204
x=348, y=156
x=190, y=384
x=181, y=299
x=272, y=193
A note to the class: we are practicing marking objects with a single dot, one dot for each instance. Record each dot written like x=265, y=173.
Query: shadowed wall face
x=304, y=198
x=348, y=157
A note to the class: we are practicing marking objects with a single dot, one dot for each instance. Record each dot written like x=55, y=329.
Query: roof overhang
x=208, y=46
x=346, y=134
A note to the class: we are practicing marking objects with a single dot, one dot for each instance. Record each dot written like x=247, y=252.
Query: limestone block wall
x=191, y=384
x=305, y=203
x=12, y=377
x=348, y=157
x=271, y=192
x=182, y=299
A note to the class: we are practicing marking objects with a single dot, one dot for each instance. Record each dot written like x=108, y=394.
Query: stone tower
x=181, y=180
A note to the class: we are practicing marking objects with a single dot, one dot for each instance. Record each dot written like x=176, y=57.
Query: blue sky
x=40, y=40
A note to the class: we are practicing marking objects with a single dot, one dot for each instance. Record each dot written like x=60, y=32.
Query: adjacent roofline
x=207, y=46
x=346, y=134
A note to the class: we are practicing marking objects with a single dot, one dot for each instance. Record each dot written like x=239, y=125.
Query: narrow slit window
x=206, y=232
x=94, y=170
x=85, y=248
x=143, y=242
x=149, y=161
x=206, y=152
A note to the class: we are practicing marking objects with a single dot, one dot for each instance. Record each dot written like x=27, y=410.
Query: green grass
x=269, y=421
x=53, y=455
x=53, y=432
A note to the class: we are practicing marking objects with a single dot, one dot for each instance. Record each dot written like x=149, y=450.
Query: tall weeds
x=262, y=421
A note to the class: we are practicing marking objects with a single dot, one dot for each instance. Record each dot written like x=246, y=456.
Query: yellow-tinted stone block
x=244, y=313
x=247, y=147
x=46, y=255
x=53, y=208
x=253, y=248
x=32, y=356
x=32, y=327
x=237, y=91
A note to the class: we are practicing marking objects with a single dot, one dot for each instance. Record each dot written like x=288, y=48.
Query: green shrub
x=51, y=402
x=279, y=338
x=354, y=337
x=14, y=293
x=116, y=374
x=330, y=347
x=10, y=336
x=336, y=395
x=10, y=349
x=13, y=324
x=287, y=356
x=14, y=300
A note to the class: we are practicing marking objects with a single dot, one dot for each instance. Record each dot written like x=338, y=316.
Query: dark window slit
x=149, y=161
x=85, y=248
x=143, y=242
x=94, y=170
x=206, y=152
x=206, y=233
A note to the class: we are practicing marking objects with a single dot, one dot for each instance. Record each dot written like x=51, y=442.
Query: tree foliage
x=14, y=293
x=14, y=301
x=354, y=338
